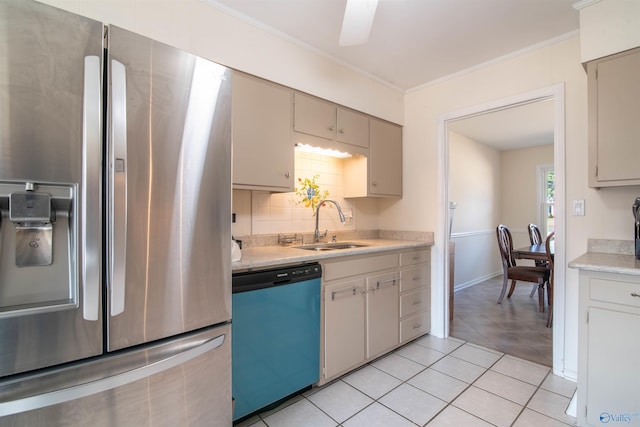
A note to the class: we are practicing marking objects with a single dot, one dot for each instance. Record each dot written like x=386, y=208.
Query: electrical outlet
x=348, y=216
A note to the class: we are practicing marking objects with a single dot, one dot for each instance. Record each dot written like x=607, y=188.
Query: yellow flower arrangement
x=310, y=194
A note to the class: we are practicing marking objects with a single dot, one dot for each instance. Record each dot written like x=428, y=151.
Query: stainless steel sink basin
x=330, y=246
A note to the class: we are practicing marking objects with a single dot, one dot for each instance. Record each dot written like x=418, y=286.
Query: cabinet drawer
x=616, y=292
x=414, y=302
x=355, y=267
x=414, y=257
x=413, y=278
x=415, y=326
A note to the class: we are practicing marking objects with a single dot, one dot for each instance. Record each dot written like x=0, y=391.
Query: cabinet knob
x=374, y=184
x=332, y=128
x=341, y=131
x=287, y=174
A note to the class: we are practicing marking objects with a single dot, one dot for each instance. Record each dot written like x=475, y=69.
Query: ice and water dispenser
x=38, y=240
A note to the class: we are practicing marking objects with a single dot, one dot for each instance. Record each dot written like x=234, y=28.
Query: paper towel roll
x=236, y=253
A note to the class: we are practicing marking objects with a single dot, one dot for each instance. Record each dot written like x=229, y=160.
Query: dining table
x=537, y=252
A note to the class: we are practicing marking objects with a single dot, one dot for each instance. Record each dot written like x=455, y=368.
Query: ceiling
x=513, y=128
x=413, y=42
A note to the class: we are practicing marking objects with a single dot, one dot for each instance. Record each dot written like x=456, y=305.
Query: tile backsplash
x=261, y=212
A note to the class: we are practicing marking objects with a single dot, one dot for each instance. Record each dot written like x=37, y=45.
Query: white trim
x=485, y=233
x=584, y=3
x=511, y=55
x=476, y=281
x=542, y=204
x=440, y=294
x=471, y=233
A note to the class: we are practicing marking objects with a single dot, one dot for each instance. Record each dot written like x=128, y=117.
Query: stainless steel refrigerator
x=115, y=200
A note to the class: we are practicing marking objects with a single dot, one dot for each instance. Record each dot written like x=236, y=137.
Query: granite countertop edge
x=271, y=256
x=608, y=256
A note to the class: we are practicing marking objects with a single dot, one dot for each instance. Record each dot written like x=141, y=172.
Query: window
x=547, y=199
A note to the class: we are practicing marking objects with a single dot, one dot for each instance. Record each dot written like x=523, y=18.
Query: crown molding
x=584, y=3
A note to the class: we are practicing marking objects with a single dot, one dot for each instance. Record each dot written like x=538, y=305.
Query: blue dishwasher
x=275, y=338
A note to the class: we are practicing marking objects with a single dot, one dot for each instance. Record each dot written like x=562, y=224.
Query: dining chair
x=513, y=272
x=535, y=238
x=551, y=237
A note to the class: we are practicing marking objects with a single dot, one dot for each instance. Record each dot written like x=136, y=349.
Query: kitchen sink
x=330, y=246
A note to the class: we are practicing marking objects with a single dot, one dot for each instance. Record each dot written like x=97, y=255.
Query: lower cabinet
x=608, y=350
x=382, y=313
x=344, y=327
x=415, y=294
x=365, y=312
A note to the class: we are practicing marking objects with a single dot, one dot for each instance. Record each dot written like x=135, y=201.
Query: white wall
x=475, y=181
x=544, y=67
x=200, y=28
x=607, y=27
x=520, y=189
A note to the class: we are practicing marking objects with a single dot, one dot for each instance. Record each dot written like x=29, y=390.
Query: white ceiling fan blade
x=356, y=25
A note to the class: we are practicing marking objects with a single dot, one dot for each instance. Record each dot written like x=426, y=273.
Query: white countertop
x=607, y=263
x=271, y=256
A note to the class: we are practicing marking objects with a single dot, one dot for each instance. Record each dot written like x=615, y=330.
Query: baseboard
x=477, y=280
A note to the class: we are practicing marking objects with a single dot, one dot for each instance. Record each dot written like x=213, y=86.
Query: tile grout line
x=447, y=404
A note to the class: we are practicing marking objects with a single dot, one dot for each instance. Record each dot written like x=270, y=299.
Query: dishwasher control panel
x=259, y=279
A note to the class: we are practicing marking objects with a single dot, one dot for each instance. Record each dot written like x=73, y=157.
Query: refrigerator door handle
x=21, y=397
x=118, y=168
x=91, y=152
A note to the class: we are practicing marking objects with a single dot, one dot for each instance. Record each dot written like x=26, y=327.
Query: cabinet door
x=263, y=152
x=344, y=326
x=385, y=158
x=314, y=116
x=613, y=378
x=353, y=128
x=614, y=109
x=383, y=320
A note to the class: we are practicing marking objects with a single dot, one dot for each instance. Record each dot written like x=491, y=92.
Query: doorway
x=440, y=317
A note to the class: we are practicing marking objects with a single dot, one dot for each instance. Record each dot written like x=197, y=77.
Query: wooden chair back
x=505, y=243
x=535, y=237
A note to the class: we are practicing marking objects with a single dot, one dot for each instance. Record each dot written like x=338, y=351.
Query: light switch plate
x=578, y=207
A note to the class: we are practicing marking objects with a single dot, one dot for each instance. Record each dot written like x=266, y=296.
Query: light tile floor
x=434, y=382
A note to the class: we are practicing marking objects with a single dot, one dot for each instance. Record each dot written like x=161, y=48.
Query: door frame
x=440, y=294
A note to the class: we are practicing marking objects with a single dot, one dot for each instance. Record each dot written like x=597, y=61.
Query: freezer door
x=169, y=191
x=50, y=152
x=182, y=382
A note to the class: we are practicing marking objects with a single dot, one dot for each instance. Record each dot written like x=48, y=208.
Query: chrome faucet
x=317, y=235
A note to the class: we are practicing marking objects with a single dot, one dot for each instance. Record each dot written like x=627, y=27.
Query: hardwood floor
x=515, y=327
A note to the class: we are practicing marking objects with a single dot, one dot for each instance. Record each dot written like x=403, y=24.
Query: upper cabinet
x=614, y=128
x=352, y=128
x=379, y=174
x=314, y=116
x=270, y=119
x=323, y=119
x=263, y=150
x=385, y=159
